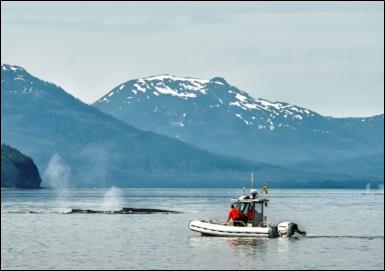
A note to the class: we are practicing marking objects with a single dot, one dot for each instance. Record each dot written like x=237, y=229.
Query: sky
x=327, y=57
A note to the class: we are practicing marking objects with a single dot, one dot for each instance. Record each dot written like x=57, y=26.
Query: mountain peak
x=171, y=77
x=219, y=80
x=8, y=67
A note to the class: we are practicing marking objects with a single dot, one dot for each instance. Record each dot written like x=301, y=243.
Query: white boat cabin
x=254, y=205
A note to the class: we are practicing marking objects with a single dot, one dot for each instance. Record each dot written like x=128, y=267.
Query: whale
x=124, y=210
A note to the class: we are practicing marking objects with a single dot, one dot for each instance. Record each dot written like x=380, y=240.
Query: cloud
x=274, y=51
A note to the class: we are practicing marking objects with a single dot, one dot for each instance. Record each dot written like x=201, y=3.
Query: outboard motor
x=273, y=231
x=288, y=229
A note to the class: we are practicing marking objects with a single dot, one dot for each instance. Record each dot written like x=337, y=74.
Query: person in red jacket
x=234, y=214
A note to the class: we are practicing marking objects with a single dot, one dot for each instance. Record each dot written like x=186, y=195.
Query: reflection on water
x=238, y=247
x=231, y=241
x=248, y=248
x=248, y=242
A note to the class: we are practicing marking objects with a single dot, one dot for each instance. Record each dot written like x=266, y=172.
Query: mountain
x=17, y=169
x=214, y=115
x=80, y=146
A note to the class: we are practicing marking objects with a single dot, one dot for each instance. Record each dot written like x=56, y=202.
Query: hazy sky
x=328, y=57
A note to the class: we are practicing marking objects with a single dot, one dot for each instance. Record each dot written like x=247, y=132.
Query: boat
x=255, y=226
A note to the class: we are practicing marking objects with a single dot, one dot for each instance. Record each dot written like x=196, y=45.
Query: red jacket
x=234, y=214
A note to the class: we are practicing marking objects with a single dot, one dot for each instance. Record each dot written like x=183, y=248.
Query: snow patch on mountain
x=7, y=67
x=174, y=78
x=182, y=87
x=177, y=124
x=244, y=120
x=168, y=90
x=140, y=88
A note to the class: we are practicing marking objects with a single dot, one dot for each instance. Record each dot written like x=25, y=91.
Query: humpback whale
x=124, y=210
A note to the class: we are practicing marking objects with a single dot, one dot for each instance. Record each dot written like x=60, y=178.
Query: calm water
x=345, y=230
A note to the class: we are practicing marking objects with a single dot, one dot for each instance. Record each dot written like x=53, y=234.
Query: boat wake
x=344, y=237
x=206, y=237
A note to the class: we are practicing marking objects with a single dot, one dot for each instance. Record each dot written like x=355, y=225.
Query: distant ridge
x=215, y=115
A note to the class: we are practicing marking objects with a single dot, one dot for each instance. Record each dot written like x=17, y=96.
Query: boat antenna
x=252, y=180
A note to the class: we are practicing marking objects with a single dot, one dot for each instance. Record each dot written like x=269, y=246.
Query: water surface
x=345, y=230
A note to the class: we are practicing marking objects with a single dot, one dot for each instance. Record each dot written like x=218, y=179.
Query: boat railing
x=211, y=221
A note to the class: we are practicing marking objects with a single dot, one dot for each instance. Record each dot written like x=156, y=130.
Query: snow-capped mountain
x=208, y=95
x=217, y=116
x=45, y=121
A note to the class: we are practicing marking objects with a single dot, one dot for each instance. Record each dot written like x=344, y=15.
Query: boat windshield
x=243, y=206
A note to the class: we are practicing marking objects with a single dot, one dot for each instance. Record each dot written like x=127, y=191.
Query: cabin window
x=258, y=207
x=258, y=214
